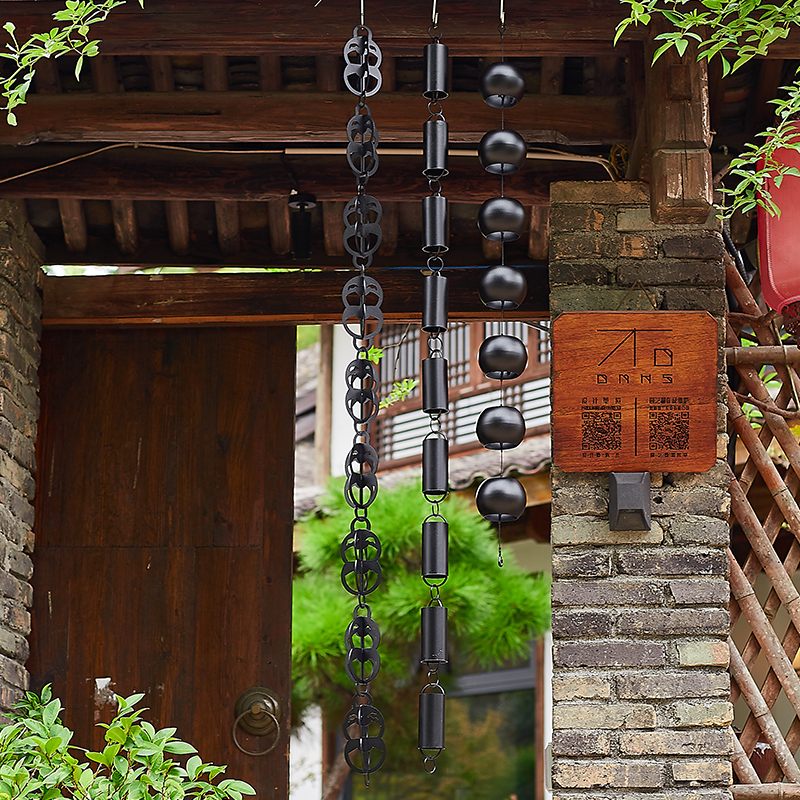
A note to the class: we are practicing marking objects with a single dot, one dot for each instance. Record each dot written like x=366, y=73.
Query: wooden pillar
x=679, y=132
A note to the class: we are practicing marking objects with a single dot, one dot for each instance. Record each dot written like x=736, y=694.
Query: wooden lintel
x=272, y=298
x=307, y=118
x=152, y=174
x=254, y=26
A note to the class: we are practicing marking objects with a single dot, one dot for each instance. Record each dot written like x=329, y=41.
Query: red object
x=779, y=245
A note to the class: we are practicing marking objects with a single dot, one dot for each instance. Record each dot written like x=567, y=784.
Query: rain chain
x=502, y=288
x=362, y=318
x=435, y=478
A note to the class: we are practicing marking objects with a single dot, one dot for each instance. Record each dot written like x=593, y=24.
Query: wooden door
x=164, y=514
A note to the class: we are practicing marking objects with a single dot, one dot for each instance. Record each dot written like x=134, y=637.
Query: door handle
x=258, y=713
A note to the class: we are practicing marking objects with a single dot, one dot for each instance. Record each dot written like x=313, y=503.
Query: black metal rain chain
x=362, y=318
x=502, y=288
x=435, y=478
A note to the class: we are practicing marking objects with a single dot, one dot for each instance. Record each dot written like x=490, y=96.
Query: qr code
x=669, y=430
x=601, y=430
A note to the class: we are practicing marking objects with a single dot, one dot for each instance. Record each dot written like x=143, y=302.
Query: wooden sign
x=634, y=391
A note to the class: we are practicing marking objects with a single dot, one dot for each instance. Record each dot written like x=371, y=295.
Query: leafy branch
x=71, y=36
x=735, y=31
x=37, y=762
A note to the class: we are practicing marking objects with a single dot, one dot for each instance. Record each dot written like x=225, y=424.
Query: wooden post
x=679, y=130
x=322, y=435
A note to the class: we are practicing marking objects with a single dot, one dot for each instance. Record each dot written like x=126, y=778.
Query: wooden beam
x=760, y=112
x=215, y=79
x=333, y=227
x=126, y=230
x=270, y=73
x=178, y=226
x=46, y=79
x=539, y=235
x=492, y=251
x=274, y=298
x=329, y=73
x=227, y=214
x=161, y=78
x=215, y=73
x=123, y=214
x=250, y=27
x=73, y=223
x=307, y=118
x=679, y=130
x=552, y=75
x=154, y=174
x=390, y=228
x=104, y=74
x=279, y=228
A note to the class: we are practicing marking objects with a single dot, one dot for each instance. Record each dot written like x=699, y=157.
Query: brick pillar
x=21, y=255
x=640, y=619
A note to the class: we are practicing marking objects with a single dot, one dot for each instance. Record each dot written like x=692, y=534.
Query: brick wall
x=640, y=619
x=21, y=254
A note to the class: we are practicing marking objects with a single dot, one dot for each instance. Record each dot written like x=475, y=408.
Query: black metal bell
x=502, y=151
x=501, y=219
x=433, y=633
x=435, y=233
x=502, y=85
x=434, y=385
x=434, y=147
x=501, y=499
x=500, y=427
x=502, y=357
x=503, y=288
x=435, y=55
x=431, y=720
x=434, y=303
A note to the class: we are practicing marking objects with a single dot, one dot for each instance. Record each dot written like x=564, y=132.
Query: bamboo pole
x=751, y=608
x=766, y=354
x=741, y=763
x=766, y=791
x=769, y=727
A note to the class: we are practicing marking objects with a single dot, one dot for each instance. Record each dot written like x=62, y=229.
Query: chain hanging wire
x=362, y=319
x=435, y=446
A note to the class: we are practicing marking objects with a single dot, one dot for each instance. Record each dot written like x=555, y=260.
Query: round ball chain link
x=362, y=319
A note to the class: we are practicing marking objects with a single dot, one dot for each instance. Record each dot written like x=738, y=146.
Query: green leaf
x=178, y=747
x=236, y=786
x=11, y=119
x=10, y=27
x=193, y=766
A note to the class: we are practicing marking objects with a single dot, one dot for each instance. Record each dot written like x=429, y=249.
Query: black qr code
x=601, y=430
x=669, y=430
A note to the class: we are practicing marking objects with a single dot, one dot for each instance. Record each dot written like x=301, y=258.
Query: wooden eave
x=216, y=110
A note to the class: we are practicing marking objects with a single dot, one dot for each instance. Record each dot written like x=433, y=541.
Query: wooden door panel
x=164, y=530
